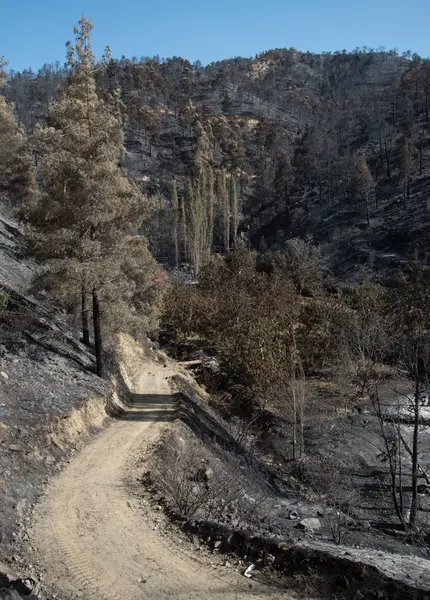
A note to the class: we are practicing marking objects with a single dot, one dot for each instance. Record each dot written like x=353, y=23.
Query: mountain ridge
x=319, y=113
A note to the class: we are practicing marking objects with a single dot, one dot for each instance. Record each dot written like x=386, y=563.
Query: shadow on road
x=147, y=407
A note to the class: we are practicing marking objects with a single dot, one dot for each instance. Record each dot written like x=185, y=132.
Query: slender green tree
x=195, y=211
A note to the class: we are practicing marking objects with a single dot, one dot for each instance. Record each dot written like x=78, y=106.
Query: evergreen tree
x=82, y=222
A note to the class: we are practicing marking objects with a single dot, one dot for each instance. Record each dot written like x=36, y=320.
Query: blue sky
x=35, y=31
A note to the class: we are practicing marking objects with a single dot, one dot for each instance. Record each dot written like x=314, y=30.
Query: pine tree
x=234, y=210
x=82, y=222
x=175, y=215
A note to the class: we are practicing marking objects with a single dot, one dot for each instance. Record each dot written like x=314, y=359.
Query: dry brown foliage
x=248, y=316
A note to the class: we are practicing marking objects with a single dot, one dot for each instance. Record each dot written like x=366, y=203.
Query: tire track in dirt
x=91, y=538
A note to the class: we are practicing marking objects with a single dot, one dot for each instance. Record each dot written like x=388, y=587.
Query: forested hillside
x=264, y=221
x=331, y=147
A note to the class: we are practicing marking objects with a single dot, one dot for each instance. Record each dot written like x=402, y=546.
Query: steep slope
x=288, y=127
x=49, y=396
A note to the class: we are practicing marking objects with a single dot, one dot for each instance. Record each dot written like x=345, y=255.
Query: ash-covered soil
x=352, y=448
x=238, y=495
x=46, y=379
x=248, y=497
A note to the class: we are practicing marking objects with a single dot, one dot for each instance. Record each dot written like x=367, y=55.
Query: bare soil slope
x=50, y=397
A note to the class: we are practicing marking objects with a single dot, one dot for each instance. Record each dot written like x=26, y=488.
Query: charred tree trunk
x=414, y=500
x=294, y=427
x=84, y=314
x=392, y=457
x=399, y=459
x=387, y=148
x=368, y=208
x=426, y=104
x=381, y=152
x=97, y=334
x=422, y=148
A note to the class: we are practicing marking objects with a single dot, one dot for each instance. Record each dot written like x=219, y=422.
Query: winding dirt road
x=92, y=538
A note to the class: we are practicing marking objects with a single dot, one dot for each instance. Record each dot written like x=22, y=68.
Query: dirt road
x=93, y=540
